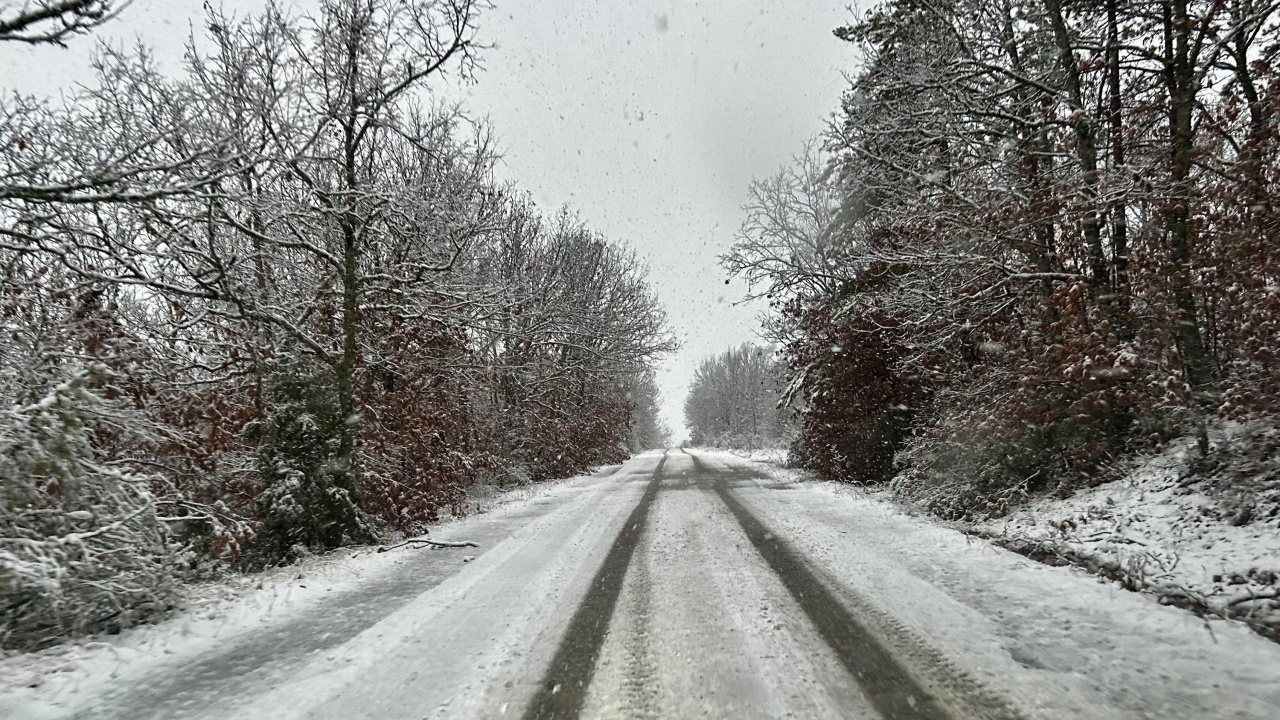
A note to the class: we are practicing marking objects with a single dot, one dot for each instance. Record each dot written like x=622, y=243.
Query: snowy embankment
x=1198, y=534
x=209, y=615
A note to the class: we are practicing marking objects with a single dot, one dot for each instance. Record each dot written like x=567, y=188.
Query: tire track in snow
x=892, y=689
x=641, y=683
x=564, y=686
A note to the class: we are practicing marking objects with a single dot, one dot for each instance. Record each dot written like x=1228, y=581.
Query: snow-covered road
x=680, y=585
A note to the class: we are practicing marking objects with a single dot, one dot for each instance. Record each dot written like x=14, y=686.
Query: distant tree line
x=648, y=430
x=278, y=303
x=733, y=400
x=1039, y=235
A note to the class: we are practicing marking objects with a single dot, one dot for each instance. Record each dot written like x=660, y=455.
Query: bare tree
x=1043, y=209
x=51, y=22
x=786, y=243
x=734, y=400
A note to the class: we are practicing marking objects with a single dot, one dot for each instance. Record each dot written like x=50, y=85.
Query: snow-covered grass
x=1200, y=534
x=209, y=613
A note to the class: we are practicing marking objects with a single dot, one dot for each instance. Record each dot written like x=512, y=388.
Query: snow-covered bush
x=857, y=407
x=309, y=497
x=81, y=547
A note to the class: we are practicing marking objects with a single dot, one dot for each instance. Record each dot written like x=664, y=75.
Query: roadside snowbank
x=211, y=614
x=1198, y=534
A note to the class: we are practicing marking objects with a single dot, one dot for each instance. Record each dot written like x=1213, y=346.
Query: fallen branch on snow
x=1260, y=612
x=423, y=542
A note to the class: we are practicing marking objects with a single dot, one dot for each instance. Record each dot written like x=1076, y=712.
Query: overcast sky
x=648, y=117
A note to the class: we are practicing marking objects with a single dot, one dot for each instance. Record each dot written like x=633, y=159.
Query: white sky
x=649, y=117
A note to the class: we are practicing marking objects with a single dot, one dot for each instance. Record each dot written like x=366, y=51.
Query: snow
x=1056, y=640
x=703, y=627
x=1166, y=531
x=64, y=679
x=255, y=649
x=770, y=455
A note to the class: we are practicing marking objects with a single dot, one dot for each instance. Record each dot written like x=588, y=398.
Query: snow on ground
x=211, y=614
x=1183, y=535
x=772, y=456
x=1056, y=639
x=704, y=628
x=246, y=613
x=476, y=644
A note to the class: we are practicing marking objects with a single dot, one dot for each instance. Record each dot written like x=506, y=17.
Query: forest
x=278, y=302
x=733, y=401
x=1038, y=237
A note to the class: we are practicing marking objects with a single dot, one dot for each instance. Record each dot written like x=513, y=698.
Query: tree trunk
x=1180, y=81
x=1086, y=147
x=350, y=225
x=1119, y=207
x=350, y=327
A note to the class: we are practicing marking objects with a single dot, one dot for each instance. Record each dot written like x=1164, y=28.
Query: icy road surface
x=678, y=586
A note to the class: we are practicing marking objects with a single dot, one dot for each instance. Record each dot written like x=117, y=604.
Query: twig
x=418, y=542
